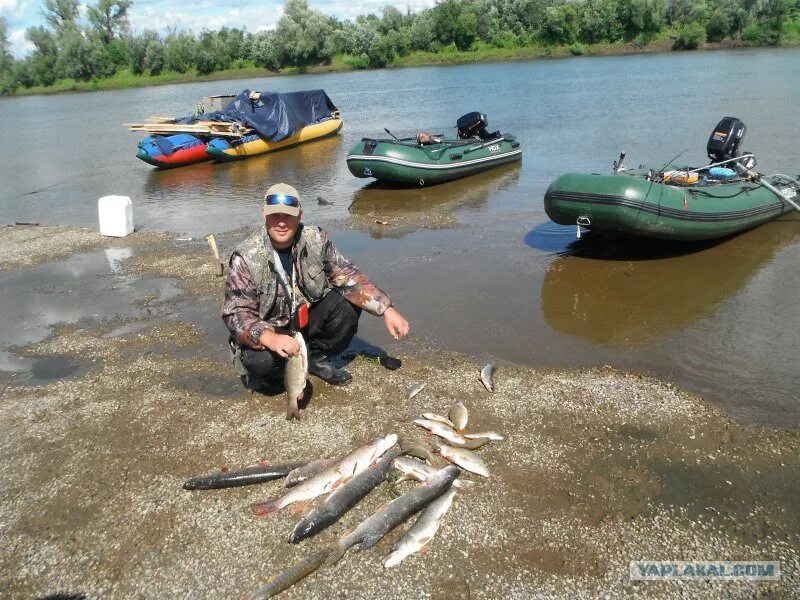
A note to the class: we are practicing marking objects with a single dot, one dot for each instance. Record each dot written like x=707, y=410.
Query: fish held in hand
x=459, y=416
x=245, y=476
x=442, y=430
x=295, y=377
x=466, y=459
x=343, y=499
x=487, y=376
x=422, y=531
x=351, y=465
x=414, y=389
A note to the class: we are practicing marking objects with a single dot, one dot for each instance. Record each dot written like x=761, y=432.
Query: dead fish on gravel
x=351, y=465
x=422, y=531
x=439, y=418
x=300, y=570
x=295, y=378
x=307, y=471
x=466, y=459
x=459, y=416
x=491, y=435
x=343, y=499
x=442, y=430
x=487, y=376
x=415, y=389
x=420, y=449
x=411, y=468
x=246, y=476
x=399, y=510
x=475, y=443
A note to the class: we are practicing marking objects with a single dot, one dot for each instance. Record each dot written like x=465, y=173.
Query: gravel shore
x=599, y=467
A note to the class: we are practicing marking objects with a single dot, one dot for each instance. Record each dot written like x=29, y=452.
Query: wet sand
x=600, y=467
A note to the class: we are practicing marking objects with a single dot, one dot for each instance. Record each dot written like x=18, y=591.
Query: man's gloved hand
x=282, y=344
x=395, y=323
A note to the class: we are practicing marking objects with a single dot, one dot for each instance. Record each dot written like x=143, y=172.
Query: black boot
x=323, y=367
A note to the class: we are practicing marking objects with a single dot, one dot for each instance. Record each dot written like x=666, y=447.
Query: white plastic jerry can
x=116, y=215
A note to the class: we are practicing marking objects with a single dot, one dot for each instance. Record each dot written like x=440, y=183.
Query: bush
x=690, y=37
x=577, y=49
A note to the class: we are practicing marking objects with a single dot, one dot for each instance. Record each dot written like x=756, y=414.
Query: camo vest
x=259, y=256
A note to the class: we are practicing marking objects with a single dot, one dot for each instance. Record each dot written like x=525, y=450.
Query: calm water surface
x=505, y=283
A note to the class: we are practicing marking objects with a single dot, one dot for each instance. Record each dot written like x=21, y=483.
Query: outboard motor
x=725, y=139
x=474, y=125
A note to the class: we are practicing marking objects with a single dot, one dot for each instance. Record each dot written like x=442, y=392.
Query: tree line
x=101, y=44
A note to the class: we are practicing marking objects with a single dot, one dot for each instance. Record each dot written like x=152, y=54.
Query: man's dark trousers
x=332, y=323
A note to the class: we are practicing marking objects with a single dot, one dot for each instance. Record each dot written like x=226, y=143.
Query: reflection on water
x=405, y=210
x=628, y=292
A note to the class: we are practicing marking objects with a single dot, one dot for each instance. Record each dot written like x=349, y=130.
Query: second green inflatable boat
x=427, y=159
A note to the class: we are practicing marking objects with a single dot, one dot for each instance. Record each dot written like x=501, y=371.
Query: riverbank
x=600, y=467
x=449, y=56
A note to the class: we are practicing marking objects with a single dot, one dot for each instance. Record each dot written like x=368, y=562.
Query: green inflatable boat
x=677, y=202
x=429, y=159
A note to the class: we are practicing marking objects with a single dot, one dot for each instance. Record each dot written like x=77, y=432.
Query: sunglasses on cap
x=276, y=199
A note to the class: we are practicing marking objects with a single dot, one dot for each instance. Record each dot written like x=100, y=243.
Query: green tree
x=109, y=18
x=560, y=25
x=466, y=30
x=300, y=35
x=179, y=53
x=154, y=56
x=60, y=14
x=264, y=52
x=719, y=25
x=6, y=61
x=44, y=55
x=74, y=56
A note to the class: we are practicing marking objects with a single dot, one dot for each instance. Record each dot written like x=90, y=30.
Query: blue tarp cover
x=274, y=116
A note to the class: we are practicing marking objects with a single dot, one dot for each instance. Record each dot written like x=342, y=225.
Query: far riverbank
x=449, y=56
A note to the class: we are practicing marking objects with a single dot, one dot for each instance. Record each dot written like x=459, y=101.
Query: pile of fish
x=437, y=463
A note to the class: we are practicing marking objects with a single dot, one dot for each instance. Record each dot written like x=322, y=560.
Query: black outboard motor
x=474, y=125
x=725, y=139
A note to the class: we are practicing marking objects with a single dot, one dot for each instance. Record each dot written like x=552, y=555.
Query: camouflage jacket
x=255, y=300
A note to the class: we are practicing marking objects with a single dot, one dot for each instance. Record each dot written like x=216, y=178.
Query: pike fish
x=439, y=418
x=294, y=378
x=467, y=460
x=300, y=570
x=351, y=465
x=343, y=499
x=487, y=376
x=458, y=416
x=246, y=476
x=442, y=430
x=307, y=471
x=422, y=531
x=398, y=511
x=412, y=468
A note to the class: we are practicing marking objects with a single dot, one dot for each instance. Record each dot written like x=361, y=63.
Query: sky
x=253, y=15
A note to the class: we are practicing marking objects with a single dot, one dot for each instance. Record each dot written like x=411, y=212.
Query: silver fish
x=491, y=435
x=466, y=459
x=442, y=430
x=351, y=465
x=487, y=376
x=399, y=510
x=458, y=415
x=422, y=531
x=294, y=378
x=307, y=471
x=440, y=418
x=344, y=498
x=415, y=389
x=411, y=468
x=415, y=447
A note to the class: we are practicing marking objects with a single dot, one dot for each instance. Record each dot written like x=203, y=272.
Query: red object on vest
x=302, y=316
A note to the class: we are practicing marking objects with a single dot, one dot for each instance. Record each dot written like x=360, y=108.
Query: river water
x=475, y=264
